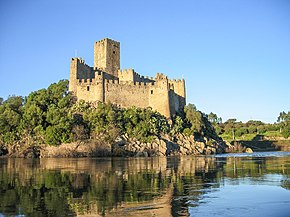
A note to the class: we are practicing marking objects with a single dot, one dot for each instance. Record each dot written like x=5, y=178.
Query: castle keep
x=105, y=82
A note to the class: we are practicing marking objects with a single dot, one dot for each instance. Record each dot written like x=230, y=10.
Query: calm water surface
x=255, y=184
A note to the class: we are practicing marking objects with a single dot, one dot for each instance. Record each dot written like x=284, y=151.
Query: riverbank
x=264, y=143
x=124, y=146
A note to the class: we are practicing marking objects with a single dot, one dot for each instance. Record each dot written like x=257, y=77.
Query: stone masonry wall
x=79, y=70
x=91, y=90
x=126, y=75
x=132, y=76
x=127, y=95
x=158, y=96
x=107, y=56
x=177, y=94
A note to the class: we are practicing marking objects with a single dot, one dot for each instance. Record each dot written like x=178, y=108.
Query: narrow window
x=114, y=52
x=88, y=88
x=151, y=91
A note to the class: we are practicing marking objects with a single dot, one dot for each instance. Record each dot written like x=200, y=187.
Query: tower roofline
x=105, y=39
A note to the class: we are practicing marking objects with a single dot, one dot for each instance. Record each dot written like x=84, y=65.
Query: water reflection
x=174, y=186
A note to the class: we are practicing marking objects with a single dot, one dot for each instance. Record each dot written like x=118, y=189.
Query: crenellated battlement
x=132, y=76
x=129, y=83
x=148, y=78
x=86, y=81
x=110, y=81
x=99, y=75
x=127, y=75
x=160, y=76
x=106, y=39
x=176, y=81
x=80, y=61
x=106, y=82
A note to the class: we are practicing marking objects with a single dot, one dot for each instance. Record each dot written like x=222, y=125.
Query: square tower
x=107, y=56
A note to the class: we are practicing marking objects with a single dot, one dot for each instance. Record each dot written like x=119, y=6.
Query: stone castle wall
x=107, y=56
x=105, y=82
x=159, y=96
x=130, y=75
x=176, y=94
x=127, y=94
x=79, y=70
x=90, y=90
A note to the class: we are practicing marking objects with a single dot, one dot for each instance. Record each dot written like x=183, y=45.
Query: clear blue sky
x=233, y=54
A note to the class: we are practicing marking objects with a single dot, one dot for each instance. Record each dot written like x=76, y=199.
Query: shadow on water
x=124, y=187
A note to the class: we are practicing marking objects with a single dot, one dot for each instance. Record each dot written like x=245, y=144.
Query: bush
x=286, y=131
x=241, y=131
x=261, y=129
x=252, y=129
x=218, y=130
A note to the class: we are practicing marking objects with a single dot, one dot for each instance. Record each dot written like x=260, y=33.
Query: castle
x=105, y=82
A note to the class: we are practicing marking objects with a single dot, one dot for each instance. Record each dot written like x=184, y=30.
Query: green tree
x=252, y=129
x=10, y=116
x=213, y=118
x=284, y=122
x=283, y=116
x=47, y=111
x=230, y=126
x=218, y=130
x=241, y=131
x=254, y=123
x=194, y=119
x=178, y=125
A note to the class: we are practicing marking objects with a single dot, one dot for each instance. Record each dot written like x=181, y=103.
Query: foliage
x=284, y=123
x=232, y=130
x=241, y=131
x=10, y=115
x=41, y=117
x=252, y=129
x=178, y=125
x=214, y=119
x=108, y=120
x=53, y=117
x=196, y=122
x=194, y=119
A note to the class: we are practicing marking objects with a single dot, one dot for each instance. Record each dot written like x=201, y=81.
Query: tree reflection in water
x=122, y=186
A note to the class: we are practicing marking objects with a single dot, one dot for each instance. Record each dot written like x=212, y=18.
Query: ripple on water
x=255, y=154
x=244, y=200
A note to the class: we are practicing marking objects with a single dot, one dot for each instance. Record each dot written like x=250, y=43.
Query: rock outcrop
x=166, y=146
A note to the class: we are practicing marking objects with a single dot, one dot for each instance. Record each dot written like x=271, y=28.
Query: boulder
x=162, y=146
x=249, y=150
x=187, y=145
x=154, y=146
x=183, y=150
x=120, y=141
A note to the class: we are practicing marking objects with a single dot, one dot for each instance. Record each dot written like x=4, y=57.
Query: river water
x=255, y=184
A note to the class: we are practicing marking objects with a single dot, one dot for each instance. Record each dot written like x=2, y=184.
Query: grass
x=246, y=137
x=273, y=134
x=250, y=136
